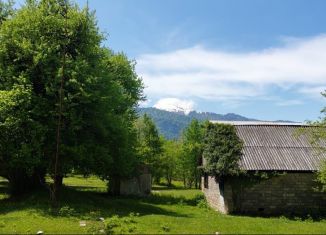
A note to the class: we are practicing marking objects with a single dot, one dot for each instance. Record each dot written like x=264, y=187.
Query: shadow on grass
x=3, y=187
x=84, y=202
x=171, y=200
x=161, y=188
x=86, y=188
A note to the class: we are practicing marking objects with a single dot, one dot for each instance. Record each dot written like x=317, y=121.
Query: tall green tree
x=82, y=96
x=129, y=88
x=149, y=145
x=192, y=144
x=170, y=158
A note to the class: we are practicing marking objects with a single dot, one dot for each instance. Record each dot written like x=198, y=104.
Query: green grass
x=166, y=211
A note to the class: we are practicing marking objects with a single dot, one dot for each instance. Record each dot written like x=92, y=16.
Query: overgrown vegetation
x=222, y=150
x=321, y=177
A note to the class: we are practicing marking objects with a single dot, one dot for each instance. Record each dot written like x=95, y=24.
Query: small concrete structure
x=140, y=185
x=270, y=148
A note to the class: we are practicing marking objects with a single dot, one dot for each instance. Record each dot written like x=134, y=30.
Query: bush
x=201, y=201
x=321, y=177
x=165, y=228
x=2, y=224
x=116, y=225
x=66, y=211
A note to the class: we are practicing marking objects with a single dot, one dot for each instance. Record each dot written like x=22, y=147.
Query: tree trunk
x=58, y=180
x=114, y=185
x=184, y=182
x=169, y=180
x=55, y=189
x=196, y=182
x=157, y=180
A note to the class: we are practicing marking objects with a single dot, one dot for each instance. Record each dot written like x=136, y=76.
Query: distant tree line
x=172, y=124
x=181, y=159
x=170, y=160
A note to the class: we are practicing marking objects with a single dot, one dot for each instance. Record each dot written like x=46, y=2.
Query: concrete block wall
x=292, y=193
x=213, y=195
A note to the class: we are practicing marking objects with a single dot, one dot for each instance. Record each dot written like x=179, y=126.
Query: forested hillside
x=171, y=124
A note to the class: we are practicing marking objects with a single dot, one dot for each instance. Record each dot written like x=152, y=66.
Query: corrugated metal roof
x=239, y=123
x=277, y=147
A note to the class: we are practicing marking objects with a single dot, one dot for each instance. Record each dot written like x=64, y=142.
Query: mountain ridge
x=171, y=124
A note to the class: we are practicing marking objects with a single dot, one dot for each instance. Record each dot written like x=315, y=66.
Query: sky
x=261, y=59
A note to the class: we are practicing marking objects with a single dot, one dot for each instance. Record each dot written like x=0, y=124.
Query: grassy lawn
x=166, y=211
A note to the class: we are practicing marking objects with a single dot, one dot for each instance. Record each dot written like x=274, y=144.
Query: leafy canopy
x=49, y=44
x=192, y=146
x=222, y=150
x=150, y=144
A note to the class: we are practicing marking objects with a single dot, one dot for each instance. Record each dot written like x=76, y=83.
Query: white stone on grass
x=82, y=223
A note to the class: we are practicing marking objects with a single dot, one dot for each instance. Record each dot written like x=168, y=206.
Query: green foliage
x=201, y=201
x=149, y=144
x=66, y=211
x=20, y=136
x=192, y=146
x=169, y=124
x=6, y=10
x=222, y=150
x=170, y=160
x=321, y=176
x=117, y=225
x=49, y=44
x=165, y=228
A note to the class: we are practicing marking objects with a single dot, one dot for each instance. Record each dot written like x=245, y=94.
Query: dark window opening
x=221, y=187
x=205, y=180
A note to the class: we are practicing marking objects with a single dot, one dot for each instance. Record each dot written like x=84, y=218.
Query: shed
x=271, y=147
x=139, y=185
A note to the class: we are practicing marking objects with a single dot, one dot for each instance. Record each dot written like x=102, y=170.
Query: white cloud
x=289, y=103
x=218, y=75
x=175, y=105
x=314, y=91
